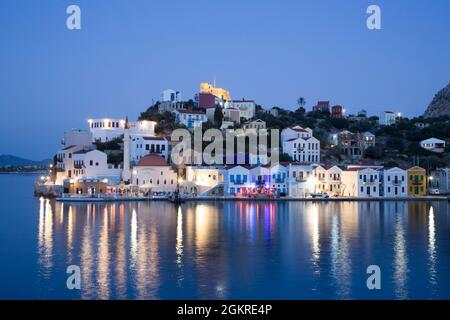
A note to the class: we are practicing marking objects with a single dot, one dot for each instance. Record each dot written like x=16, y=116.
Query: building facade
x=395, y=182
x=153, y=174
x=300, y=145
x=361, y=182
x=337, y=112
x=387, y=118
x=104, y=130
x=327, y=179
x=433, y=145
x=441, y=180
x=77, y=137
x=190, y=118
x=141, y=146
x=417, y=181
x=246, y=108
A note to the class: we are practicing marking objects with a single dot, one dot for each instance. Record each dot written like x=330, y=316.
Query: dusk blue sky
x=53, y=79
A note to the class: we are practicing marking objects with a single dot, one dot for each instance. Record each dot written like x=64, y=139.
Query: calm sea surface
x=237, y=250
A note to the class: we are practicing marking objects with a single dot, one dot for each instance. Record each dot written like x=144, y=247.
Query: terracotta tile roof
x=298, y=129
x=152, y=160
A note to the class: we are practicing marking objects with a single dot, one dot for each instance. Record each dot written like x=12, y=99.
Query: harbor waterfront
x=222, y=249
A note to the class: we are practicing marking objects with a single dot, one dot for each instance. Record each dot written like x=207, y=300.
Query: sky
x=53, y=79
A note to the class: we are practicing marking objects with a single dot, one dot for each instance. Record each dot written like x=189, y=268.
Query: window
x=91, y=163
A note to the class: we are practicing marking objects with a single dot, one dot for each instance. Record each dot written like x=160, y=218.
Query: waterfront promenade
x=85, y=199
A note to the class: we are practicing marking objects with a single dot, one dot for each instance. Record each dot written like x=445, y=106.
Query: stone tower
x=126, y=172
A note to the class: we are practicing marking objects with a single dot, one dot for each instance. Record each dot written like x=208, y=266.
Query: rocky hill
x=440, y=106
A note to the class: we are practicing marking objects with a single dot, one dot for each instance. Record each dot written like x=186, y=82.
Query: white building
x=433, y=145
x=170, y=101
x=295, y=132
x=109, y=129
x=231, y=114
x=65, y=164
x=255, y=124
x=328, y=179
x=246, y=108
x=387, y=118
x=190, y=118
x=106, y=129
x=300, y=145
x=273, y=111
x=369, y=139
x=153, y=174
x=141, y=146
x=238, y=177
x=362, y=182
x=203, y=180
x=440, y=179
x=301, y=182
x=78, y=162
x=394, y=182
x=279, y=181
x=170, y=95
x=94, y=165
x=77, y=137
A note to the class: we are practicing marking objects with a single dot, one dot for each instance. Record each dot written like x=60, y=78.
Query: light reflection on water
x=244, y=250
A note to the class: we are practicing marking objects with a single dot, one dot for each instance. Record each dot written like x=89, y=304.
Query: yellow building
x=417, y=181
x=217, y=92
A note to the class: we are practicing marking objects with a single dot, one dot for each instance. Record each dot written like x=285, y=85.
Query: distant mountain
x=440, y=106
x=7, y=160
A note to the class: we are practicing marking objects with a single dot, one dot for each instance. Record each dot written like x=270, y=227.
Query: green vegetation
x=165, y=121
x=115, y=144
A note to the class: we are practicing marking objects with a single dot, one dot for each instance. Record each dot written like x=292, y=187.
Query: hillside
x=7, y=160
x=440, y=106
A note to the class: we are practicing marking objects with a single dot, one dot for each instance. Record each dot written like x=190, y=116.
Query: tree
x=218, y=116
x=374, y=152
x=301, y=102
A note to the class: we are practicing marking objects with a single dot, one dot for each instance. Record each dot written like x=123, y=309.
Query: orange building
x=417, y=181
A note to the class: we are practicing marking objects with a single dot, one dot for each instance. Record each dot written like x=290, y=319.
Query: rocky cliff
x=440, y=106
